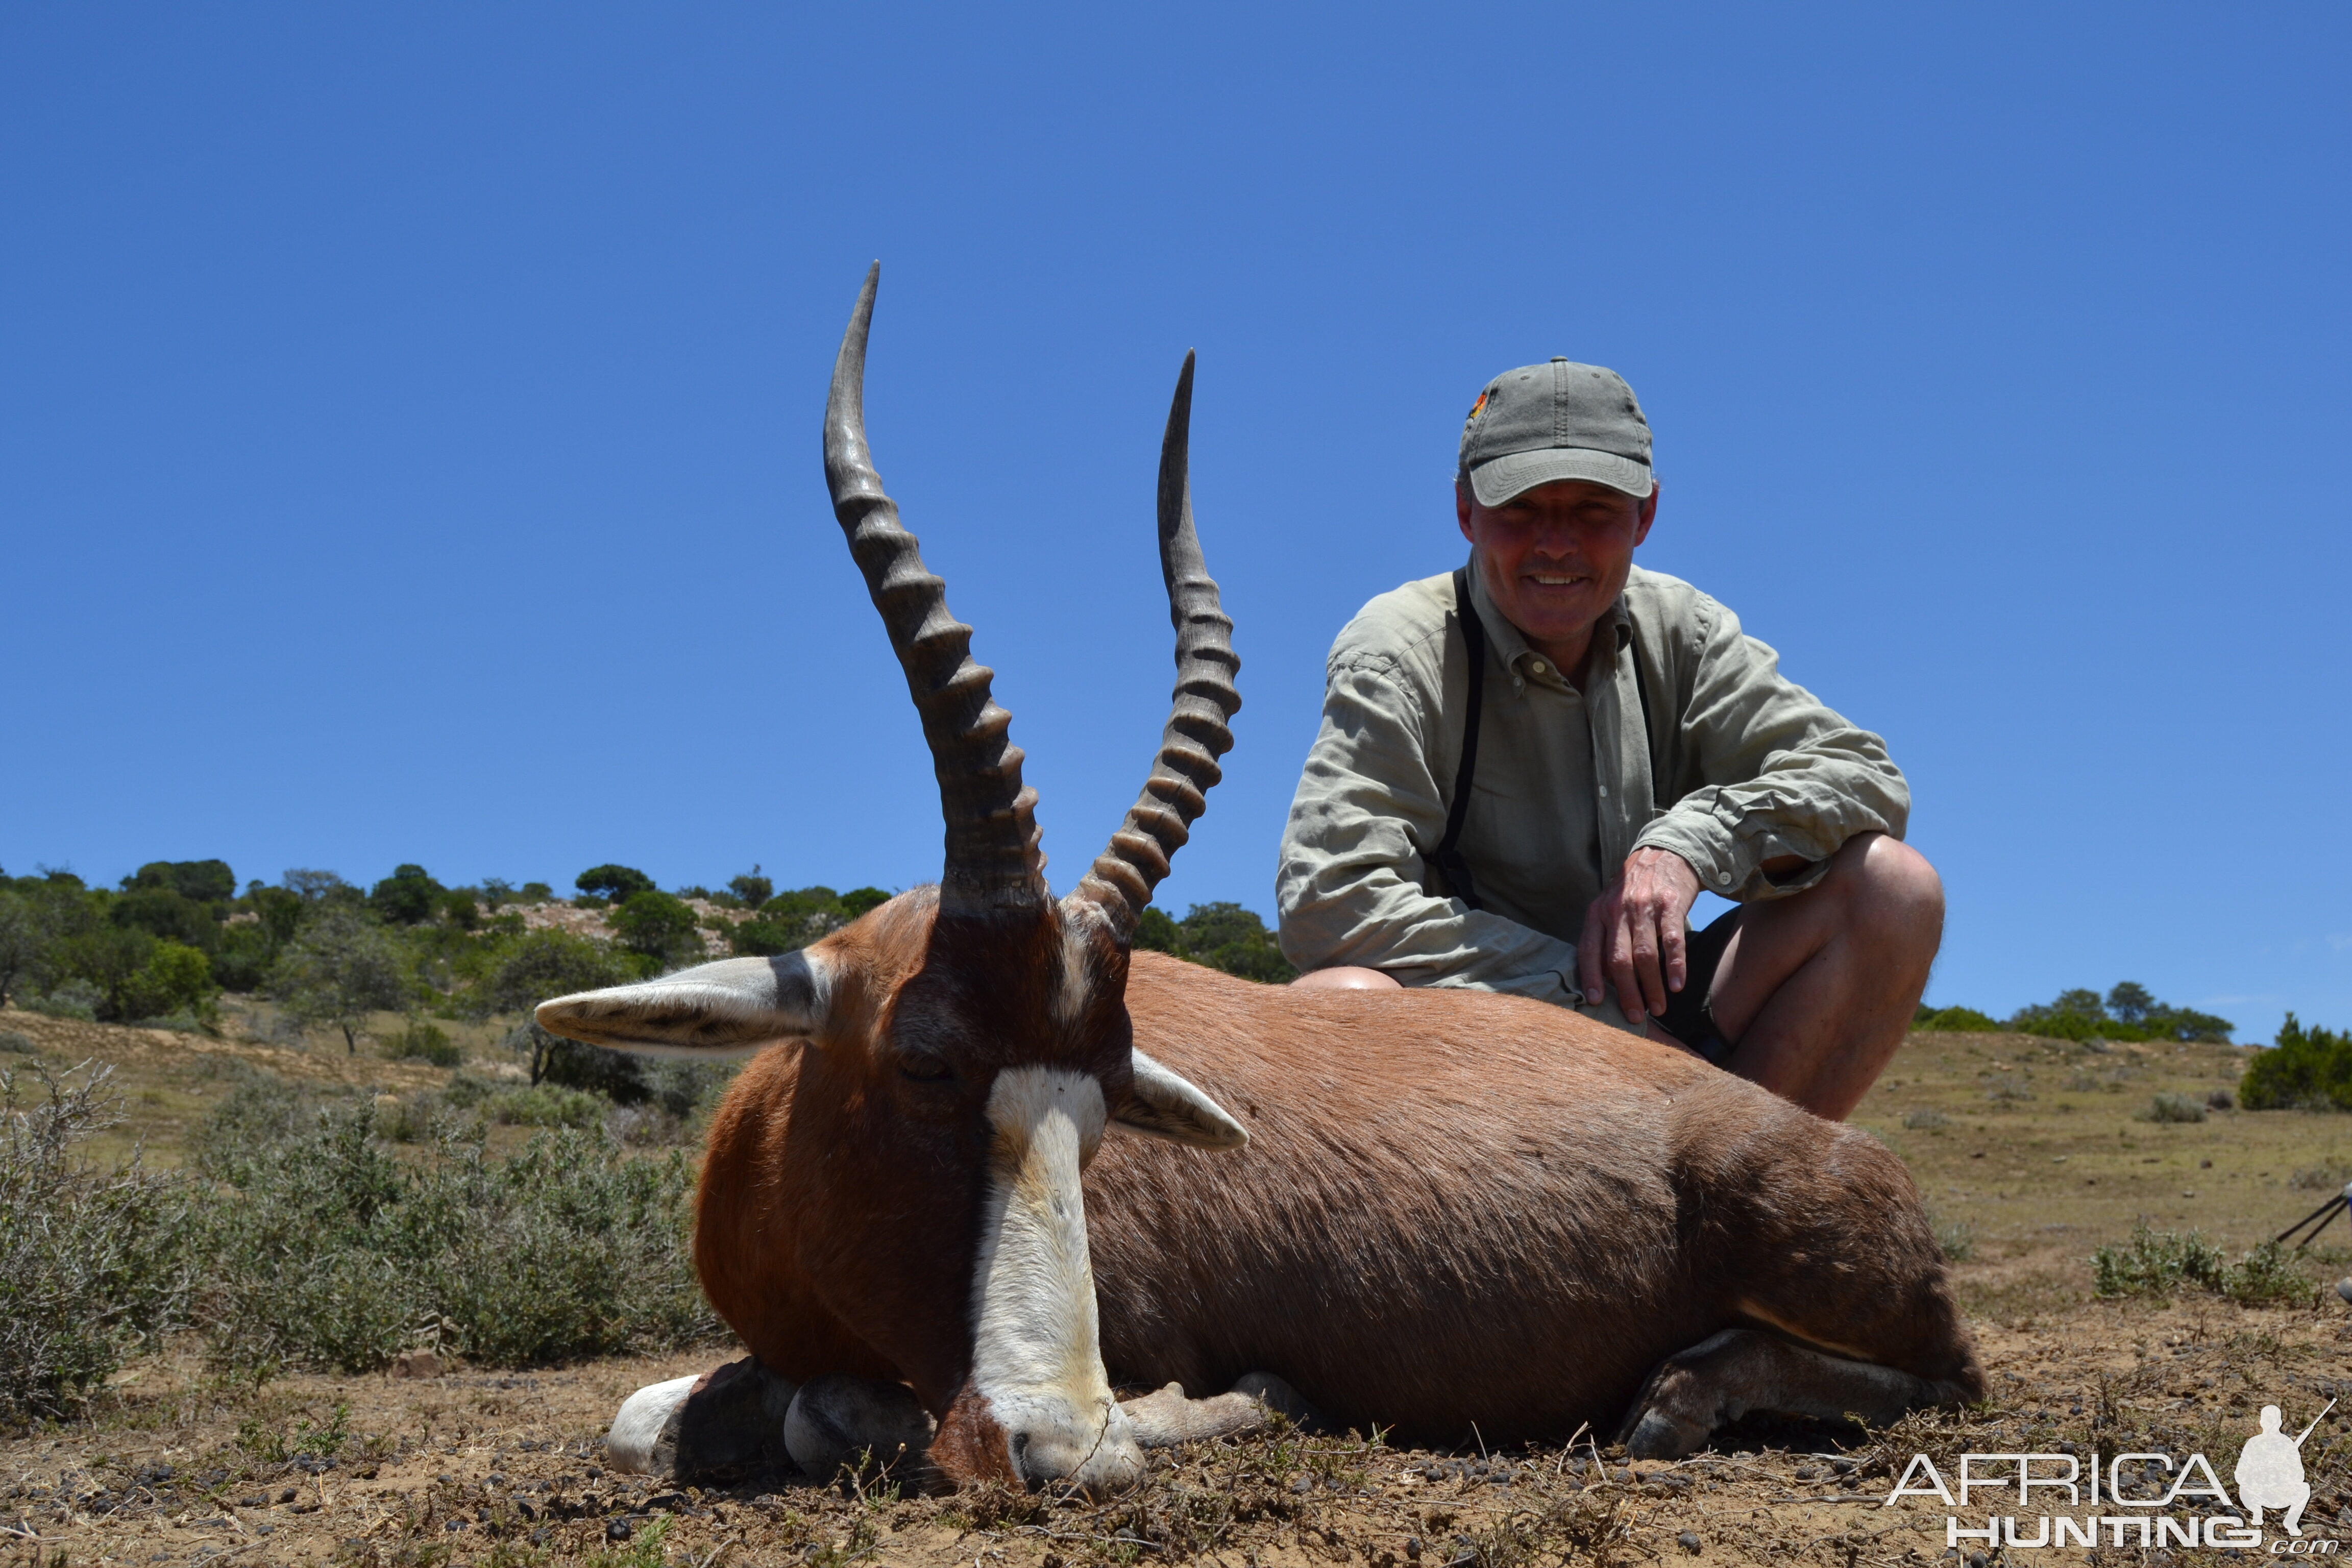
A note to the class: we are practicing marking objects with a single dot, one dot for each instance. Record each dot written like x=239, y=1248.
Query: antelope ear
x=731, y=1008
x=1164, y=1104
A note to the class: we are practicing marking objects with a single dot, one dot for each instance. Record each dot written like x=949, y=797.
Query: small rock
x=2344, y=1287
x=1688, y=1542
x=1412, y=1548
x=617, y=1530
x=417, y=1364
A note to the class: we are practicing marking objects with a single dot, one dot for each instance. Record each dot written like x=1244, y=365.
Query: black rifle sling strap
x=1449, y=857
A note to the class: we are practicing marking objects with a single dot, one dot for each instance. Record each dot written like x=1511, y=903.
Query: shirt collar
x=1511, y=646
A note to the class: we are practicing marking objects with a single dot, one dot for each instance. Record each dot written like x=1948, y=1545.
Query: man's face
x=1556, y=557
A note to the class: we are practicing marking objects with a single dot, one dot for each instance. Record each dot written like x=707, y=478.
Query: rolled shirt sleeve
x=1780, y=773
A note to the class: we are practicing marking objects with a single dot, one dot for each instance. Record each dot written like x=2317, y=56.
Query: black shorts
x=1689, y=1016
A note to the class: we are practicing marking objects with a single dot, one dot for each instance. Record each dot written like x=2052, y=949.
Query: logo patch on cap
x=1478, y=408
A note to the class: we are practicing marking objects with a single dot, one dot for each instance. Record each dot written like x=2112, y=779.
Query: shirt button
x=1605, y=792
x=1723, y=877
x=1537, y=666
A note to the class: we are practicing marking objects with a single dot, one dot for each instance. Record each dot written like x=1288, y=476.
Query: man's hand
x=1634, y=931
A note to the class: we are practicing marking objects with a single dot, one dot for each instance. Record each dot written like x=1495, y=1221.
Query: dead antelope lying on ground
x=1422, y=1210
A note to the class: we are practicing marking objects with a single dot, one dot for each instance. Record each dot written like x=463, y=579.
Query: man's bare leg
x=1816, y=990
x=1348, y=977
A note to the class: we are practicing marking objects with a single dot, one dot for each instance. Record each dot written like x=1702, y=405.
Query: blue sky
x=409, y=419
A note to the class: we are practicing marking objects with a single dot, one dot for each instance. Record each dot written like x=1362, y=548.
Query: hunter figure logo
x=2270, y=1471
x=2152, y=1486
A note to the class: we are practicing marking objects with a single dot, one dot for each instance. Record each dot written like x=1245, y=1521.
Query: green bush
x=1222, y=936
x=175, y=979
x=751, y=889
x=618, y=1075
x=858, y=900
x=333, y=1253
x=2305, y=1069
x=2162, y=1263
x=2171, y=1108
x=548, y=963
x=74, y=999
x=2157, y=1263
x=242, y=960
x=425, y=1041
x=93, y=1263
x=162, y=912
x=659, y=926
x=1954, y=1020
x=546, y=1105
x=2270, y=1275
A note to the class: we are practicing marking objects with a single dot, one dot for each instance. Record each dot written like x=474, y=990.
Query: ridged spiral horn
x=1206, y=700
x=992, y=858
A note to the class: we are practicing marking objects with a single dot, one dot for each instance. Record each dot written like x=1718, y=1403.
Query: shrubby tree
x=407, y=897
x=2137, y=1015
x=2130, y=1002
x=314, y=887
x=752, y=888
x=340, y=967
x=613, y=884
x=199, y=881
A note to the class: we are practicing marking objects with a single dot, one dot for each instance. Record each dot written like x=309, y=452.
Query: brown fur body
x=1456, y=1209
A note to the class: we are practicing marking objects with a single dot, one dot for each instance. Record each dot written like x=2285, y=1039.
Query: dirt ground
x=2031, y=1153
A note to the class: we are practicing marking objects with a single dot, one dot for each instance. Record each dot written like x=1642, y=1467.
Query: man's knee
x=1891, y=881
x=1347, y=977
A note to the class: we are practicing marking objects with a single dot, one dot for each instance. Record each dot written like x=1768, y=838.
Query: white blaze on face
x=1037, y=1348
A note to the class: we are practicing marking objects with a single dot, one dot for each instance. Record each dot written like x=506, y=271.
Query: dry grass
x=2031, y=1144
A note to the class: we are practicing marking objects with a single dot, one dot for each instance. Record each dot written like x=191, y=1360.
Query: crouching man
x=1530, y=768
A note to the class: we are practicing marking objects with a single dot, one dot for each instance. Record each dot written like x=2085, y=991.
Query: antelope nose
x=1053, y=1454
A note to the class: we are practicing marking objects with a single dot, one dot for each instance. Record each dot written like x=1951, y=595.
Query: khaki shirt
x=1735, y=765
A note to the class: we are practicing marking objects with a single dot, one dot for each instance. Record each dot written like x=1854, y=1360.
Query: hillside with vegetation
x=165, y=945
x=259, y=1146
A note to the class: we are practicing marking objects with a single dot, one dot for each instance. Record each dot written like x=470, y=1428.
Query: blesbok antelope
x=1431, y=1211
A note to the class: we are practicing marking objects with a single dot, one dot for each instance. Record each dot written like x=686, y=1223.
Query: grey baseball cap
x=1559, y=421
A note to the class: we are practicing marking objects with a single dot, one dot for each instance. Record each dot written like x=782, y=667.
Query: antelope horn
x=992, y=858
x=1174, y=797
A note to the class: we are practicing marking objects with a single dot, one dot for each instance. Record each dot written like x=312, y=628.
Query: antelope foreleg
x=1164, y=1418
x=1719, y=1380
x=730, y=1419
